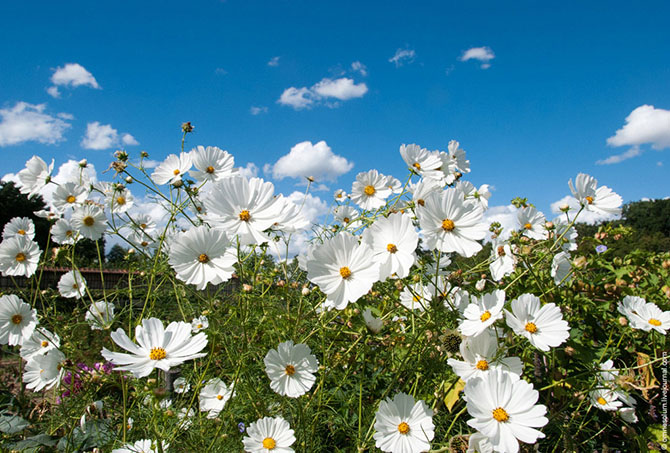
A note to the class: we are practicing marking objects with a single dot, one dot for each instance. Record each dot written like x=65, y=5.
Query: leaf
x=33, y=443
x=10, y=424
x=452, y=396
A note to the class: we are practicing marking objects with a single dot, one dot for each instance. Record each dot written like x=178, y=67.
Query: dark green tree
x=15, y=204
x=116, y=256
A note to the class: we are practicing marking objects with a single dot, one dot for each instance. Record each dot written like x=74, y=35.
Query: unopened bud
x=281, y=283
x=580, y=261
x=623, y=321
x=187, y=127
x=83, y=163
x=549, y=225
x=305, y=291
x=246, y=287
x=178, y=183
x=129, y=179
x=569, y=351
x=564, y=207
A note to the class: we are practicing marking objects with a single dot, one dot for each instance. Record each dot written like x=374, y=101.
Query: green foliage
x=15, y=204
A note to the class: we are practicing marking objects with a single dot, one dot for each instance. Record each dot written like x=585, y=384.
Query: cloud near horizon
x=307, y=159
x=28, y=122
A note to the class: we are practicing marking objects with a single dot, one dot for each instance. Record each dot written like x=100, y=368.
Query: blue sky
x=562, y=80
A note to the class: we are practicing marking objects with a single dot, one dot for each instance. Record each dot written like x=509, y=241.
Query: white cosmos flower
x=243, y=208
x=44, y=371
x=393, y=241
x=290, y=218
x=181, y=385
x=172, y=169
x=63, y=232
x=470, y=192
x=142, y=241
x=480, y=357
x=394, y=184
x=343, y=269
x=19, y=256
x=119, y=200
x=451, y=224
x=644, y=315
x=370, y=190
x=543, y=326
x=269, y=434
x=17, y=320
x=40, y=342
x=340, y=195
x=72, y=284
x=158, y=347
x=482, y=312
x=479, y=443
x=19, y=226
x=90, y=221
x=605, y=399
x=561, y=267
x=201, y=256
x=100, y=315
x=374, y=324
x=142, y=446
x=416, y=297
x=503, y=409
x=403, y=425
x=457, y=155
x=213, y=397
x=502, y=260
x=290, y=369
x=199, y=323
x=567, y=233
x=592, y=198
x=35, y=176
x=532, y=223
x=142, y=222
x=425, y=163
x=422, y=189
x=69, y=195
x=347, y=216
x=212, y=164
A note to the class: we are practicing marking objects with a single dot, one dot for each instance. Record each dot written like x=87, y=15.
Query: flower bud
x=187, y=127
x=305, y=291
x=246, y=287
x=623, y=321
x=580, y=261
x=83, y=163
x=564, y=207
x=129, y=179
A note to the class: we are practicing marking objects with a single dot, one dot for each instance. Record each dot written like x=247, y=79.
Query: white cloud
x=505, y=215
x=402, y=56
x=359, y=67
x=250, y=171
x=481, y=54
x=72, y=75
x=129, y=140
x=645, y=125
x=313, y=207
x=342, y=89
x=307, y=159
x=220, y=71
x=99, y=136
x=27, y=122
x=274, y=61
x=150, y=163
x=258, y=110
x=69, y=171
x=585, y=217
x=634, y=151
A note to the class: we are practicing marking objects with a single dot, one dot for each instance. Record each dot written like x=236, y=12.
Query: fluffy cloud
x=341, y=89
x=505, y=215
x=71, y=75
x=307, y=159
x=27, y=122
x=250, y=171
x=69, y=171
x=274, y=61
x=402, y=56
x=482, y=54
x=258, y=110
x=585, y=217
x=104, y=136
x=646, y=125
x=360, y=68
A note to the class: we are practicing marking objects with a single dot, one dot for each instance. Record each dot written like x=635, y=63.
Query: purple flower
x=601, y=248
x=241, y=427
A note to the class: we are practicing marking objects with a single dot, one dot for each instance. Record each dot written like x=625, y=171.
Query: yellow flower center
x=500, y=414
x=176, y=172
x=210, y=169
x=143, y=225
x=21, y=232
x=88, y=221
x=345, y=272
x=589, y=199
x=199, y=326
x=654, y=322
x=501, y=250
x=144, y=243
x=420, y=202
x=403, y=428
x=71, y=199
x=290, y=370
x=528, y=226
x=157, y=354
x=346, y=219
x=485, y=316
x=448, y=225
x=391, y=248
x=269, y=443
x=219, y=397
x=531, y=327
x=121, y=200
x=602, y=401
x=482, y=365
x=16, y=319
x=68, y=233
x=245, y=216
x=20, y=257
x=44, y=344
x=369, y=191
x=416, y=165
x=203, y=258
